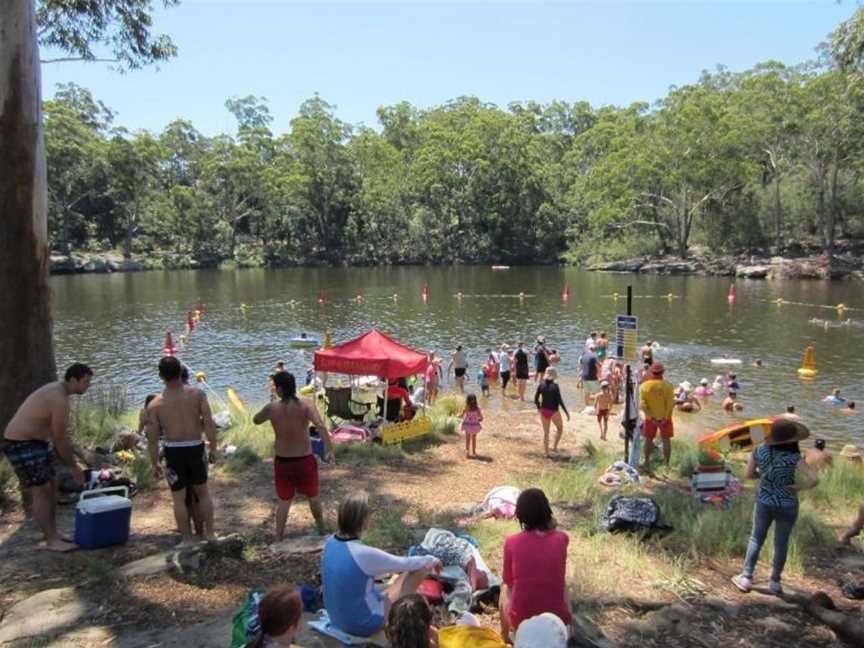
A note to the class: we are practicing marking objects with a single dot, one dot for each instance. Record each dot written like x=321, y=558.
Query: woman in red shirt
x=535, y=565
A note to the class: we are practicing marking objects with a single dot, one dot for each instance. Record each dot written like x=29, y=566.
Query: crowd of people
x=182, y=445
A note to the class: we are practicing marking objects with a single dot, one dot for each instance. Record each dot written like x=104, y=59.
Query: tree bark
x=26, y=344
x=778, y=213
x=835, y=208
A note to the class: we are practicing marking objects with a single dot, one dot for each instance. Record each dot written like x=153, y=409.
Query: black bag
x=631, y=514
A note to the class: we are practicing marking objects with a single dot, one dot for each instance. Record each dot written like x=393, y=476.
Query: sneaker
x=775, y=587
x=742, y=583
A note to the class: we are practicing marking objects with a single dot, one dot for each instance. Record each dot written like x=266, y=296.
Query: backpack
x=246, y=626
x=631, y=514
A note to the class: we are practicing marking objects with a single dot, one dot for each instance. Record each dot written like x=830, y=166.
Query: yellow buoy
x=521, y=295
x=395, y=297
x=615, y=296
x=458, y=295
x=841, y=307
x=200, y=376
x=328, y=339
x=669, y=296
x=779, y=301
x=183, y=339
x=808, y=365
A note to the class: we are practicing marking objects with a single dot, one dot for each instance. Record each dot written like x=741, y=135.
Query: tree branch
x=78, y=59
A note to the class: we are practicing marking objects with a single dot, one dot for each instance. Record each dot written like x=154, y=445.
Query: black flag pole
x=629, y=423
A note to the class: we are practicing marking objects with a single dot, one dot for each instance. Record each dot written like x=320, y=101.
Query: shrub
x=450, y=405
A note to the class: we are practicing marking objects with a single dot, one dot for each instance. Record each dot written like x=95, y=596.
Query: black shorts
x=33, y=461
x=505, y=378
x=186, y=466
x=522, y=374
x=459, y=372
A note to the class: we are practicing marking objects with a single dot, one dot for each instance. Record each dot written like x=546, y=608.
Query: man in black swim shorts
x=522, y=369
x=181, y=412
x=35, y=437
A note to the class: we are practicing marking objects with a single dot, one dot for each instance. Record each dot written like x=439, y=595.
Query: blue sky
x=360, y=55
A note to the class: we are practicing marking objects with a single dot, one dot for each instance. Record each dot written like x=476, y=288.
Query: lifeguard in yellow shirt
x=657, y=401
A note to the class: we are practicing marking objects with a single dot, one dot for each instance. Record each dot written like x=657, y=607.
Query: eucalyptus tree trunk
x=26, y=343
x=778, y=214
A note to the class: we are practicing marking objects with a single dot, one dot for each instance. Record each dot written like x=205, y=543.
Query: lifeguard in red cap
x=657, y=401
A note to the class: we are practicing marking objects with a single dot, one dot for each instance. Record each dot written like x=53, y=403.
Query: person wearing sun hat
x=657, y=401
x=782, y=472
x=542, y=631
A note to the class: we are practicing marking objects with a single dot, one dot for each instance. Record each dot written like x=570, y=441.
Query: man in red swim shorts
x=657, y=401
x=295, y=468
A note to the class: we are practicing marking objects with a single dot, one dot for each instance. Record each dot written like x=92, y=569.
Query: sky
x=359, y=55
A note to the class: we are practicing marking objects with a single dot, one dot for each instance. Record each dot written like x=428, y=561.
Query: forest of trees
x=770, y=158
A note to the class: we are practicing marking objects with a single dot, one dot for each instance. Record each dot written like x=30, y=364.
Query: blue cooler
x=318, y=447
x=102, y=520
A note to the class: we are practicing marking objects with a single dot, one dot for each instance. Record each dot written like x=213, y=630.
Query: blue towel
x=323, y=625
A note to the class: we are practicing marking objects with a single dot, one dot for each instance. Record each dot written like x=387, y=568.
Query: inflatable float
x=743, y=436
x=725, y=361
x=303, y=343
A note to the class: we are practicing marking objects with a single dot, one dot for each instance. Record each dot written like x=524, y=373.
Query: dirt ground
x=168, y=610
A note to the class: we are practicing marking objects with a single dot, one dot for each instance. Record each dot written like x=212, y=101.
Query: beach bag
x=246, y=626
x=631, y=514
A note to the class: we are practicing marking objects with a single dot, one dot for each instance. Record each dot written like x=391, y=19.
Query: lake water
x=117, y=324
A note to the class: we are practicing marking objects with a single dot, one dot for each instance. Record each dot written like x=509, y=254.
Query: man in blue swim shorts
x=35, y=437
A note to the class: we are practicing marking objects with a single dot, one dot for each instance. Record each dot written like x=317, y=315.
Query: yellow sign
x=399, y=432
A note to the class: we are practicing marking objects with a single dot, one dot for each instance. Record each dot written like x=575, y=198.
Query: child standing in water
x=602, y=405
x=472, y=418
x=483, y=381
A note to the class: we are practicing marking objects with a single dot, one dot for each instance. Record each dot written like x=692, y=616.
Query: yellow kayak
x=235, y=400
x=743, y=436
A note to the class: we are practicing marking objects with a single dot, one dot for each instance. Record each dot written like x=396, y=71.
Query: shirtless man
x=34, y=435
x=180, y=412
x=849, y=410
x=294, y=465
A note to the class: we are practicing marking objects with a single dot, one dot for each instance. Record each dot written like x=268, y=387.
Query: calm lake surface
x=117, y=324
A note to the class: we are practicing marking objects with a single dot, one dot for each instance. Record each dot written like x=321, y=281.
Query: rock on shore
x=92, y=263
x=843, y=266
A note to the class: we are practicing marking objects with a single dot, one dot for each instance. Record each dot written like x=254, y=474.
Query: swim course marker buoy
x=808, y=370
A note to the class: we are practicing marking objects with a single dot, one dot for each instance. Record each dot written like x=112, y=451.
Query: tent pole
x=386, y=385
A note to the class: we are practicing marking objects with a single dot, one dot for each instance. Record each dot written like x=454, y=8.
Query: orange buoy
x=170, y=348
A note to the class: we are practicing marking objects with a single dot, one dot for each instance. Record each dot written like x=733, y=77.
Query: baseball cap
x=542, y=631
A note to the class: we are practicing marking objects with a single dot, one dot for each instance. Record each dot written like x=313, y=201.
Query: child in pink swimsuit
x=472, y=417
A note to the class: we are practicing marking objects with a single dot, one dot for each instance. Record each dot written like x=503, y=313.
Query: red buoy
x=200, y=308
x=731, y=296
x=190, y=322
x=169, y=349
x=566, y=294
x=424, y=292
x=322, y=297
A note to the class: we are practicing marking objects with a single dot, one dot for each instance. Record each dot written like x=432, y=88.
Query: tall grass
x=450, y=405
x=7, y=480
x=840, y=488
x=94, y=417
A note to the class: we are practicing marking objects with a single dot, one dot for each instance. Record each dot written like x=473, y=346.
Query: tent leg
x=385, y=402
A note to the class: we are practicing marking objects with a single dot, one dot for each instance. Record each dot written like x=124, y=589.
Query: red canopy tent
x=371, y=354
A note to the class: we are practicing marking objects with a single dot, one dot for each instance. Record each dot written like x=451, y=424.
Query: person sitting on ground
x=280, y=612
x=730, y=403
x=777, y=465
x=409, y=625
x=36, y=438
x=542, y=631
x=349, y=569
x=535, y=565
x=849, y=410
x=295, y=468
x=790, y=413
x=834, y=398
x=817, y=456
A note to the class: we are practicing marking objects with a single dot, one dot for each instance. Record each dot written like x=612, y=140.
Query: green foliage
x=140, y=471
x=94, y=417
x=766, y=157
x=839, y=488
x=7, y=481
x=450, y=405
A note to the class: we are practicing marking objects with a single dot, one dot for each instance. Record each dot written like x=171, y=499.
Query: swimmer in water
x=790, y=414
x=849, y=410
x=757, y=363
x=732, y=381
x=834, y=398
x=731, y=404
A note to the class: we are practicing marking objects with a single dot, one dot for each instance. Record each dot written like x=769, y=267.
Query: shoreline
x=844, y=266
